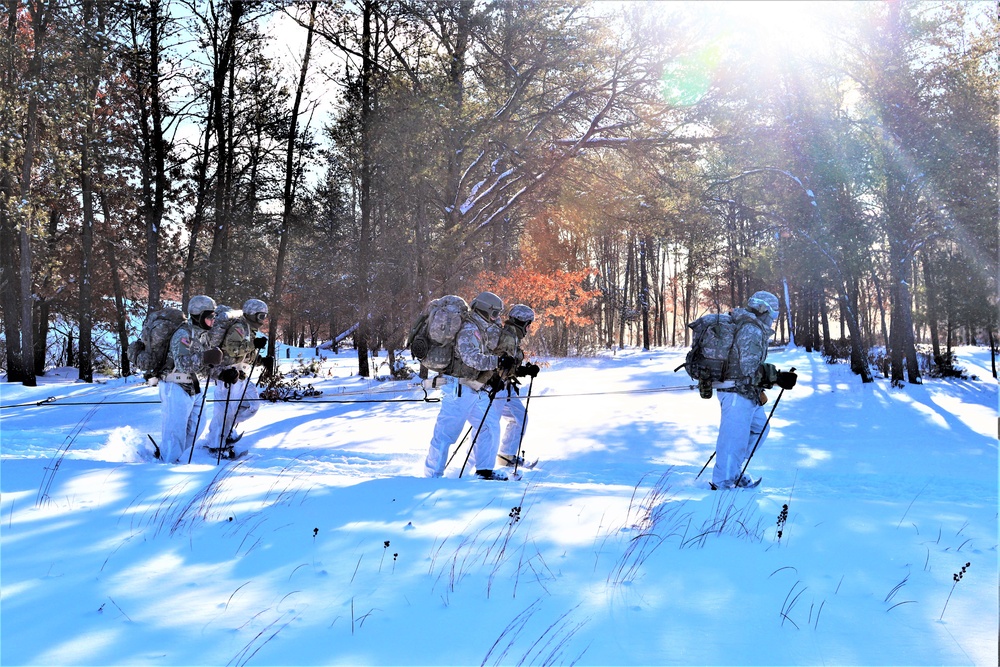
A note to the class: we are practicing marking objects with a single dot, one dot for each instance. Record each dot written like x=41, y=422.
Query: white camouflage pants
x=225, y=416
x=515, y=421
x=457, y=408
x=178, y=421
x=741, y=424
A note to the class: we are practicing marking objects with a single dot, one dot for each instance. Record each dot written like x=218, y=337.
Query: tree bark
x=644, y=292
x=197, y=220
x=40, y=14
x=365, y=241
x=93, y=58
x=158, y=151
x=223, y=71
x=932, y=314
x=121, y=313
x=289, y=191
x=9, y=275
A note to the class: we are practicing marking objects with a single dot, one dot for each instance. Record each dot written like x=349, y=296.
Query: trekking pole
x=460, y=443
x=156, y=447
x=197, y=424
x=763, y=430
x=524, y=423
x=225, y=416
x=705, y=466
x=476, y=436
x=245, y=387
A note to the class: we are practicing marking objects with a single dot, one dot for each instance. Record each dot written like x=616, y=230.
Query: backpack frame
x=432, y=336
x=711, y=348
x=150, y=353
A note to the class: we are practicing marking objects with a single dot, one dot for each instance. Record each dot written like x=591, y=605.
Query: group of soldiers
x=479, y=386
x=225, y=355
x=220, y=344
x=488, y=359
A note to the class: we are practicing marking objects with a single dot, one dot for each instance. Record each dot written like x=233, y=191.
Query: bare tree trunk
x=198, y=218
x=623, y=306
x=825, y=321
x=40, y=14
x=903, y=347
x=365, y=241
x=644, y=293
x=119, y=289
x=86, y=317
x=9, y=276
x=932, y=314
x=993, y=352
x=159, y=154
x=289, y=196
x=9, y=280
x=93, y=56
x=673, y=296
x=224, y=67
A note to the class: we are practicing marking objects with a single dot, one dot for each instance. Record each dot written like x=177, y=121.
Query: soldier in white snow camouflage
x=741, y=398
x=513, y=412
x=191, y=355
x=468, y=399
x=236, y=397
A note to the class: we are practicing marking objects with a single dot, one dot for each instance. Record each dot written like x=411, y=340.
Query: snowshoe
x=228, y=452
x=233, y=438
x=746, y=482
x=504, y=461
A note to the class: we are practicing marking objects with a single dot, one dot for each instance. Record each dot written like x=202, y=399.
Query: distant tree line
x=621, y=168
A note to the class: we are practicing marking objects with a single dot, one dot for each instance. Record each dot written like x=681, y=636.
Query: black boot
x=491, y=475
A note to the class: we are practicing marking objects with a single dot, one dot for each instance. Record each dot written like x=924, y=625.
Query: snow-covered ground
x=324, y=547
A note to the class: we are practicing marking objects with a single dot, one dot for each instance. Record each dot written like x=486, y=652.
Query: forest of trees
x=621, y=167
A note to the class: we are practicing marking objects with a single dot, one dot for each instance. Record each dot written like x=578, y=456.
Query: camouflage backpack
x=708, y=358
x=237, y=349
x=150, y=353
x=432, y=337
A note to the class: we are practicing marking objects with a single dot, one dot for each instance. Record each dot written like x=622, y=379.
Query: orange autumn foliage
x=557, y=297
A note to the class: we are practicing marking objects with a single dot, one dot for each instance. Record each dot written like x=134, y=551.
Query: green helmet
x=487, y=304
x=763, y=303
x=521, y=314
x=255, y=311
x=201, y=308
x=199, y=304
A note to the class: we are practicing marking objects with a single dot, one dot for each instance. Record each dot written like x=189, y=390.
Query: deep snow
x=323, y=547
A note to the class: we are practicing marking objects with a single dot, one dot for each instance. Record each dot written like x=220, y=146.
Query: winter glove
x=260, y=343
x=212, y=357
x=527, y=369
x=229, y=375
x=495, y=384
x=768, y=376
x=786, y=379
x=506, y=362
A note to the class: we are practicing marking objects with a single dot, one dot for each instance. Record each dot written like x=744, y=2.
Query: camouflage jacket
x=187, y=346
x=233, y=334
x=474, y=364
x=509, y=343
x=748, y=353
x=237, y=344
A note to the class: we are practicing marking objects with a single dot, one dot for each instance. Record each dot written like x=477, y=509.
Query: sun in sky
x=768, y=32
